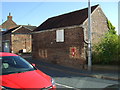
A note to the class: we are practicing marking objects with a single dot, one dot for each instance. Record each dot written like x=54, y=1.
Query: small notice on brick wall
x=74, y=52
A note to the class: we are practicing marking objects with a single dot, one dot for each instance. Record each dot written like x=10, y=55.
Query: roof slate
x=68, y=19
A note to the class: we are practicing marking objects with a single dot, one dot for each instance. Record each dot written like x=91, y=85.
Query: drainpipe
x=85, y=42
x=84, y=31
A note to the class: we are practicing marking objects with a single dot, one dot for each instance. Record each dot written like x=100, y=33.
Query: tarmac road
x=72, y=80
x=69, y=80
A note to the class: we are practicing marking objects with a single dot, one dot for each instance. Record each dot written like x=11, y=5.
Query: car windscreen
x=14, y=64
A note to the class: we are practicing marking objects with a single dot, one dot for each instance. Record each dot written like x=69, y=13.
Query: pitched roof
x=31, y=28
x=68, y=19
x=10, y=30
x=9, y=23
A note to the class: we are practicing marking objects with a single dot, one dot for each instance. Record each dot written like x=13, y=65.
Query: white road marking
x=63, y=85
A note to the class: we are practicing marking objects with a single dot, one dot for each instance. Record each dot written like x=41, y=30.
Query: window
x=14, y=64
x=60, y=36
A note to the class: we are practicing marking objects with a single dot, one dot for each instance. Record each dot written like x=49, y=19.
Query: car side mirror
x=33, y=64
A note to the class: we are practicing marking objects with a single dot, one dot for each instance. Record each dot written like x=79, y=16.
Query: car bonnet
x=30, y=79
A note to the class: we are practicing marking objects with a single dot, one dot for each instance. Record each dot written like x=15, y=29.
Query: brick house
x=17, y=39
x=63, y=39
x=9, y=23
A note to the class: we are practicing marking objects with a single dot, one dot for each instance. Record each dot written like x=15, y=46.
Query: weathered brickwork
x=73, y=51
x=19, y=39
x=20, y=42
x=99, y=25
x=6, y=37
x=22, y=30
x=46, y=48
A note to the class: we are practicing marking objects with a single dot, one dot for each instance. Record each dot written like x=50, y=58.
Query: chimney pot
x=9, y=17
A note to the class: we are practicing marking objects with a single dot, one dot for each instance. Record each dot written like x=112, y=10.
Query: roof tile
x=68, y=19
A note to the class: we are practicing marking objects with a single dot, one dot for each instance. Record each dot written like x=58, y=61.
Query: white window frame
x=60, y=35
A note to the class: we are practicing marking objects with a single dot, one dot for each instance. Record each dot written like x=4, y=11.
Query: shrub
x=108, y=50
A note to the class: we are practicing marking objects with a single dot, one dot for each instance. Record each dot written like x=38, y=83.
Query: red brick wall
x=46, y=48
x=21, y=41
x=18, y=42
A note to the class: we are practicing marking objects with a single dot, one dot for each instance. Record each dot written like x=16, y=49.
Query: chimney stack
x=9, y=17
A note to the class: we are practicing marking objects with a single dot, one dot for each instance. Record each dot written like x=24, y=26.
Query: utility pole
x=89, y=38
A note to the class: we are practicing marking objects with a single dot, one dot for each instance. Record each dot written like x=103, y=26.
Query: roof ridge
x=28, y=25
x=74, y=11
x=68, y=19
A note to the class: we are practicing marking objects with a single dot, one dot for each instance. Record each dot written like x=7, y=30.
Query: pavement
x=96, y=72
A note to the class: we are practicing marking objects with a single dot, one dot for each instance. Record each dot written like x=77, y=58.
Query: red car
x=18, y=74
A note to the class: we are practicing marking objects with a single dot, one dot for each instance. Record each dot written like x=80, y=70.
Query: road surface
x=75, y=81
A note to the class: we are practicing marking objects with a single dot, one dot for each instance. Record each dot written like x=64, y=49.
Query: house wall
x=19, y=39
x=46, y=48
x=99, y=25
x=6, y=38
x=22, y=30
x=20, y=42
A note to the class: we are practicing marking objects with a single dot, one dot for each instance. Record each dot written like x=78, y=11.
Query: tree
x=107, y=51
x=111, y=27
